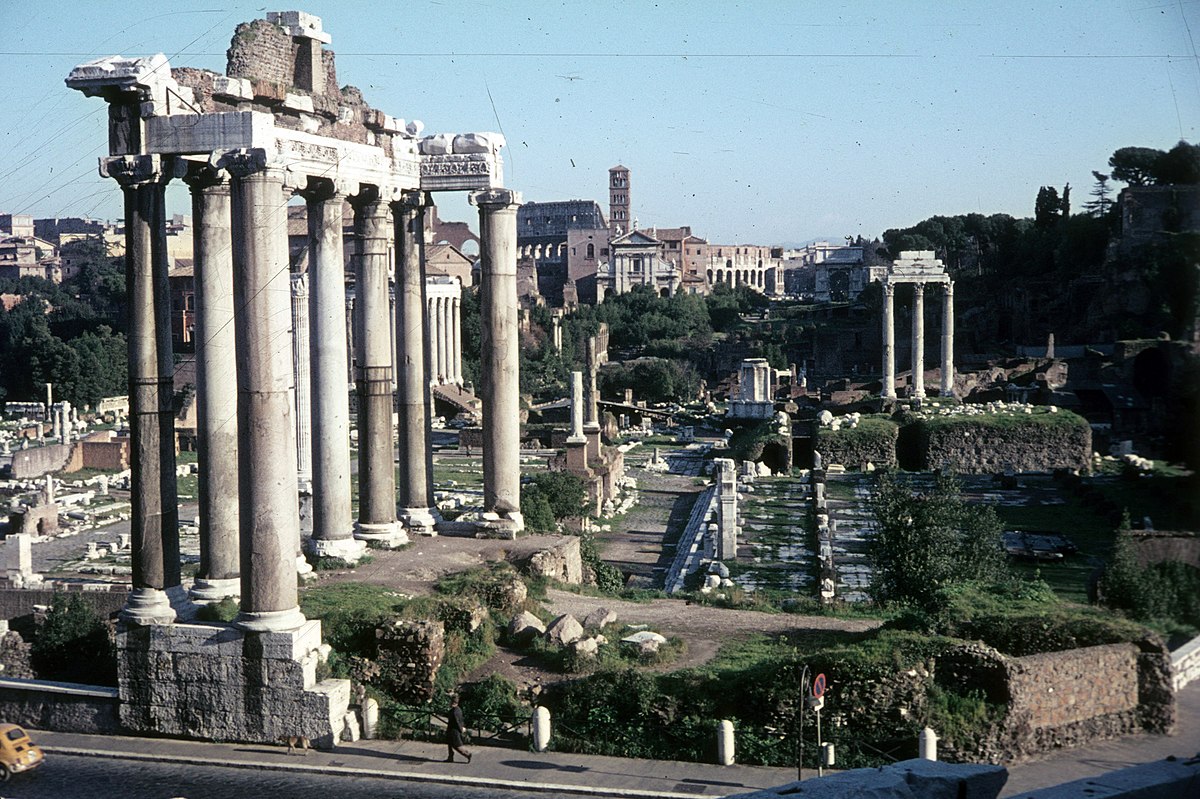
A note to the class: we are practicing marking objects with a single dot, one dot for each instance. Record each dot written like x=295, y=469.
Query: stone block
x=525, y=627
x=477, y=143
x=437, y=144
x=564, y=630
x=599, y=618
x=908, y=779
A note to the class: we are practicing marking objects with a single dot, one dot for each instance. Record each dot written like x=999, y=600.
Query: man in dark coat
x=456, y=730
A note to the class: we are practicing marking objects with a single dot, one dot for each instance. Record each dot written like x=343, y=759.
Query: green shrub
x=224, y=611
x=535, y=509
x=491, y=586
x=491, y=702
x=73, y=644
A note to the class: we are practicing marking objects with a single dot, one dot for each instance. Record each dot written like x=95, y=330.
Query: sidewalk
x=594, y=775
x=418, y=761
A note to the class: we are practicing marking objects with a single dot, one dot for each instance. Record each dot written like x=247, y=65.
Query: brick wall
x=261, y=51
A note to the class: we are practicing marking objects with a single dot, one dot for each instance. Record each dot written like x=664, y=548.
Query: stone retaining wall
x=410, y=654
x=37, y=461
x=60, y=706
x=973, y=447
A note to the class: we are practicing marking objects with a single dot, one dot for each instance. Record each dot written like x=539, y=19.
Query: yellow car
x=17, y=752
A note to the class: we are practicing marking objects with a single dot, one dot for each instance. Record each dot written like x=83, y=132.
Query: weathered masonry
x=274, y=126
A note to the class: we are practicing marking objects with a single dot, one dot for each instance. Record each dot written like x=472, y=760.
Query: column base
x=389, y=534
x=304, y=569
x=270, y=621
x=205, y=591
x=348, y=548
x=420, y=521
x=494, y=525
x=147, y=606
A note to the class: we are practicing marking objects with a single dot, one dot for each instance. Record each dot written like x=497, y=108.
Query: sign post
x=818, y=702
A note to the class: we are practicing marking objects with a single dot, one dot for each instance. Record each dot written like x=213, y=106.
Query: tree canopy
x=928, y=541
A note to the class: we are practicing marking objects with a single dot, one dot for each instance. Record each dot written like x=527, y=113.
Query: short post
x=725, y=745
x=541, y=728
x=370, y=718
x=927, y=744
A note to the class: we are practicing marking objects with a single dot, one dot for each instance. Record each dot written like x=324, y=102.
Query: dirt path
x=704, y=629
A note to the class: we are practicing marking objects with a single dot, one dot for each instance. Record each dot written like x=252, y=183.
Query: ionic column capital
x=132, y=171
x=495, y=199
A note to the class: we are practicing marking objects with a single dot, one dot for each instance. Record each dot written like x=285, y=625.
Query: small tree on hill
x=929, y=541
x=73, y=644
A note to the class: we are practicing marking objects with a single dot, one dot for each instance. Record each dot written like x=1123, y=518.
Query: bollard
x=827, y=758
x=370, y=718
x=927, y=744
x=541, y=728
x=725, y=745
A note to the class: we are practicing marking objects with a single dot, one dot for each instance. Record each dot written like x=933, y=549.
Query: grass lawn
x=1091, y=531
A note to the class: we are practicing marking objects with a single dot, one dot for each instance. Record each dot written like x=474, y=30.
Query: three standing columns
x=216, y=386
x=918, y=341
x=157, y=596
x=333, y=525
x=269, y=516
x=413, y=353
x=376, y=472
x=500, y=358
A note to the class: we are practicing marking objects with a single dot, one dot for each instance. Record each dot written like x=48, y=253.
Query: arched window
x=591, y=251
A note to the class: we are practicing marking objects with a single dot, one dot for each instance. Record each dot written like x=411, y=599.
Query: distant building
x=28, y=256
x=556, y=237
x=448, y=260
x=636, y=260
x=688, y=252
x=18, y=225
x=1149, y=213
x=745, y=265
x=620, y=207
x=64, y=230
x=180, y=276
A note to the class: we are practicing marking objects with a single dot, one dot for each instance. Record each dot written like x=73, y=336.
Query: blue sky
x=756, y=122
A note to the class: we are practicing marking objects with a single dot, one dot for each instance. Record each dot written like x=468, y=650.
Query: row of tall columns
x=918, y=341
x=252, y=413
x=500, y=357
x=412, y=365
x=445, y=334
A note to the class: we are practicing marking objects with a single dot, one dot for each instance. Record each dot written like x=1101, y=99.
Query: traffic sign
x=818, y=686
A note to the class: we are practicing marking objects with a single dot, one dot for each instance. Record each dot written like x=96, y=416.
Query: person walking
x=456, y=731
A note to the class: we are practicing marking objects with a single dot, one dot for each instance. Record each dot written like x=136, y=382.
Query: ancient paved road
x=70, y=777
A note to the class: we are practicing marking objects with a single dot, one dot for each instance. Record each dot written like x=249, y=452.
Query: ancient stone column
x=591, y=399
x=889, y=341
x=500, y=359
x=216, y=386
x=301, y=361
x=376, y=474
x=333, y=523
x=415, y=484
x=918, y=341
x=270, y=520
x=948, y=341
x=456, y=338
x=441, y=339
x=576, y=436
x=154, y=523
